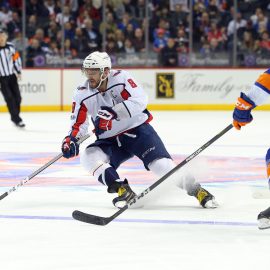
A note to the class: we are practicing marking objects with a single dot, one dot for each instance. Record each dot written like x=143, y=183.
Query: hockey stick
x=32, y=175
x=98, y=220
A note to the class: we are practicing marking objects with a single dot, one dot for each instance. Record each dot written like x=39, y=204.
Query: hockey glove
x=70, y=147
x=242, y=112
x=104, y=119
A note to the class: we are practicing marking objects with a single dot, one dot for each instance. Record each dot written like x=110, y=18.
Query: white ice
x=171, y=232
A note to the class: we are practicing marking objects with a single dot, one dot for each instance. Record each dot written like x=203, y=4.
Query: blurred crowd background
x=163, y=33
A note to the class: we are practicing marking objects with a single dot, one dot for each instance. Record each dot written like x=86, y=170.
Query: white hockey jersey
x=123, y=94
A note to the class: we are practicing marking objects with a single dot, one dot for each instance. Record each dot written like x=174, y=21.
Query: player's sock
x=264, y=219
x=107, y=175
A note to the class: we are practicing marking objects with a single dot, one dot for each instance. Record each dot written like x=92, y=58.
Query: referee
x=10, y=68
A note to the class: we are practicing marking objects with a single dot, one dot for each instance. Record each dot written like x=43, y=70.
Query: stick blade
x=91, y=219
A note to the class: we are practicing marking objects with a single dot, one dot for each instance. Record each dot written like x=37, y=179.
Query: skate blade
x=122, y=204
x=211, y=204
x=264, y=223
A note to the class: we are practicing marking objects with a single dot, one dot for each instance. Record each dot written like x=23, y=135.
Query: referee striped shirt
x=10, y=60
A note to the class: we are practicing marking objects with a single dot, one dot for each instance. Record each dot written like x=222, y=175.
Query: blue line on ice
x=151, y=221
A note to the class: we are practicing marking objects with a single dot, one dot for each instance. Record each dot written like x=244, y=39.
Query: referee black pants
x=12, y=96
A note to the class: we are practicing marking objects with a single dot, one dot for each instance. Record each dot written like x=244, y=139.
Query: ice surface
x=171, y=232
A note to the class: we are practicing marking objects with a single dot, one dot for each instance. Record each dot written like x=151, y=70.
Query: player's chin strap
x=102, y=80
x=28, y=178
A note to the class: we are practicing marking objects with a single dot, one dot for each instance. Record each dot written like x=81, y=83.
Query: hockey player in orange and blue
x=256, y=96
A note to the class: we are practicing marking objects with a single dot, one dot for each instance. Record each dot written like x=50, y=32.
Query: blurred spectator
x=5, y=17
x=262, y=24
x=74, y=6
x=64, y=17
x=127, y=6
x=160, y=40
x=59, y=38
x=254, y=17
x=140, y=10
x=58, y=6
x=119, y=39
x=50, y=5
x=40, y=36
x=128, y=47
x=201, y=23
x=80, y=42
x=178, y=16
x=164, y=13
x=138, y=41
x=182, y=48
x=53, y=49
x=31, y=26
x=174, y=3
x=127, y=19
x=247, y=45
x=91, y=10
x=215, y=32
x=130, y=7
x=15, y=4
x=205, y=49
x=198, y=9
x=249, y=28
x=111, y=47
x=169, y=54
x=213, y=10
x=14, y=24
x=214, y=47
x=204, y=26
x=164, y=24
x=129, y=31
x=35, y=7
x=210, y=49
x=92, y=35
x=82, y=18
x=34, y=51
x=69, y=51
x=52, y=30
x=182, y=38
x=265, y=44
x=18, y=41
x=110, y=24
x=240, y=23
x=69, y=32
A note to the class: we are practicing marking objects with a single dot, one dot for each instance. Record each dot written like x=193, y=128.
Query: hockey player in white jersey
x=256, y=96
x=122, y=127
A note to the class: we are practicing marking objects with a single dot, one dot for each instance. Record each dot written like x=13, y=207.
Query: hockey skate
x=125, y=194
x=264, y=219
x=20, y=124
x=205, y=198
